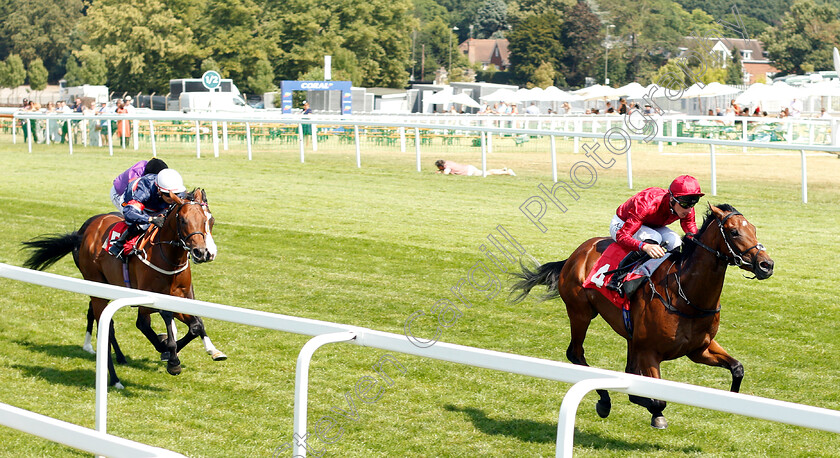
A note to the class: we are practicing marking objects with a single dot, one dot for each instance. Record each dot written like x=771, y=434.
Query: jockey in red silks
x=639, y=225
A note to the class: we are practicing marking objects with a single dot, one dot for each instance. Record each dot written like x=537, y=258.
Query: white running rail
x=584, y=378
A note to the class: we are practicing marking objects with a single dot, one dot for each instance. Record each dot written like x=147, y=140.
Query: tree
x=490, y=18
x=93, y=69
x=535, y=40
x=518, y=11
x=228, y=32
x=43, y=29
x=37, y=75
x=646, y=33
x=262, y=79
x=734, y=72
x=374, y=31
x=4, y=75
x=543, y=76
x=15, y=71
x=145, y=48
x=210, y=64
x=71, y=77
x=581, y=39
x=806, y=35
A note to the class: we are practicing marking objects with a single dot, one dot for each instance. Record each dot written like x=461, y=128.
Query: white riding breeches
x=116, y=199
x=661, y=235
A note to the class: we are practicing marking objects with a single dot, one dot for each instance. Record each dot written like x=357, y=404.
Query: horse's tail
x=47, y=249
x=546, y=274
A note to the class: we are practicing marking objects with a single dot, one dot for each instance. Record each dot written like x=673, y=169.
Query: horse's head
x=194, y=224
x=740, y=243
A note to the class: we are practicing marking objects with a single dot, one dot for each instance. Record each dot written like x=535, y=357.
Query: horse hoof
x=603, y=409
x=89, y=348
x=164, y=356
x=173, y=369
x=119, y=386
x=659, y=422
x=121, y=360
x=218, y=356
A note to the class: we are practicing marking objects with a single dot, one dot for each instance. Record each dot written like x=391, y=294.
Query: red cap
x=685, y=185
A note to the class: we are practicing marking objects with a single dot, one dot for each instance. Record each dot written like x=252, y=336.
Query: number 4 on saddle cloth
x=115, y=234
x=601, y=273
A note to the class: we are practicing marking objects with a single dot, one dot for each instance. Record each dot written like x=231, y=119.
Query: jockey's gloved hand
x=158, y=221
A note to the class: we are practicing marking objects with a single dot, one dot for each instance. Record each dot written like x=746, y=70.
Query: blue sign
x=211, y=79
x=286, y=88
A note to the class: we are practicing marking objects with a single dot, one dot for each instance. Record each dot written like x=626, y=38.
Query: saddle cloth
x=609, y=260
x=115, y=234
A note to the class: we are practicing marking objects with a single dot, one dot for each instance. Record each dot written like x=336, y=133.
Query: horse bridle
x=181, y=242
x=733, y=259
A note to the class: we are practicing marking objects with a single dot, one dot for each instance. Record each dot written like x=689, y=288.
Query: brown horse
x=163, y=267
x=674, y=314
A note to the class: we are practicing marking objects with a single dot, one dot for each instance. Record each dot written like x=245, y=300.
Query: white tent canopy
x=502, y=95
x=598, y=92
x=633, y=90
x=446, y=97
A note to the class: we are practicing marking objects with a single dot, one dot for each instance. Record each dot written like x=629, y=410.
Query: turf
x=370, y=246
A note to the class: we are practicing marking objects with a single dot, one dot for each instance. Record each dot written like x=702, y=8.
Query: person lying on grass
x=454, y=168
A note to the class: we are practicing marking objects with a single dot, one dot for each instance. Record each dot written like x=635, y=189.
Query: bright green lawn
x=371, y=246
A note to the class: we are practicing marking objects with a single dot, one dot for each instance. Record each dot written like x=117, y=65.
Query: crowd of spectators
x=93, y=132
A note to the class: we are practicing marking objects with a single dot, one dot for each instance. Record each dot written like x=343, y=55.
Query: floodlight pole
x=449, y=70
x=607, y=54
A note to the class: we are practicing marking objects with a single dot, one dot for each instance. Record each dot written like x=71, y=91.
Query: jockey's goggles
x=687, y=201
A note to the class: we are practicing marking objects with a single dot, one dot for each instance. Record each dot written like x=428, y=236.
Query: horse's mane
x=688, y=246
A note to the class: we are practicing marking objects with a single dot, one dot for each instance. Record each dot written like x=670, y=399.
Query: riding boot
x=117, y=247
x=624, y=268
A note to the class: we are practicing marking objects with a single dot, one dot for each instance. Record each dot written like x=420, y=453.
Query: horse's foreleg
x=580, y=318
x=648, y=366
x=196, y=325
x=715, y=355
x=117, y=352
x=112, y=373
x=87, y=346
x=173, y=364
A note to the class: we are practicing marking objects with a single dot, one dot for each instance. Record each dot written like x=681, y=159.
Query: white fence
x=799, y=134
x=585, y=378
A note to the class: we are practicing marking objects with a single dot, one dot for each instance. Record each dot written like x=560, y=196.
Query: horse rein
x=667, y=301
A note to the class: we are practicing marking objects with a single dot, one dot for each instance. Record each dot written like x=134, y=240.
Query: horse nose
x=200, y=254
x=765, y=268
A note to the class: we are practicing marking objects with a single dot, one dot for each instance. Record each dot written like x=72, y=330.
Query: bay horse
x=163, y=267
x=675, y=313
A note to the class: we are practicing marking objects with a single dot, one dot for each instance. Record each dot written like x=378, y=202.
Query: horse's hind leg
x=96, y=306
x=144, y=324
x=579, y=319
x=648, y=365
x=196, y=325
x=87, y=346
x=715, y=355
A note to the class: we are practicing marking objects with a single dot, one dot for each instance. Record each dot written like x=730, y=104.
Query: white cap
x=168, y=180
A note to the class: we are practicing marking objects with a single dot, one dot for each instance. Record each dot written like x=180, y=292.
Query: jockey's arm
x=624, y=236
x=134, y=214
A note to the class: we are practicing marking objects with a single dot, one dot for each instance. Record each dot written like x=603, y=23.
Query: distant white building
x=754, y=61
